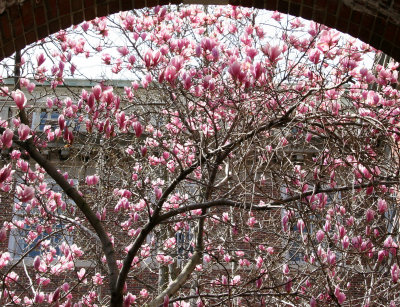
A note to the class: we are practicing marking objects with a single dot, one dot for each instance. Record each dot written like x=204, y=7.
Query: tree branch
x=52, y=171
x=175, y=285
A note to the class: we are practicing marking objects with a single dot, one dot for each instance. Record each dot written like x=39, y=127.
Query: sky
x=92, y=68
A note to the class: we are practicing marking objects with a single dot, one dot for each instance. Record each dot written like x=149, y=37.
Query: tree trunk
x=116, y=299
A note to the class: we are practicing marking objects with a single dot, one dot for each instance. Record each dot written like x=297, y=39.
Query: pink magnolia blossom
x=288, y=285
x=251, y=52
x=390, y=244
x=132, y=59
x=177, y=62
x=227, y=258
x=270, y=250
x=39, y=298
x=239, y=253
x=39, y=265
x=285, y=269
x=5, y=172
x=123, y=50
x=329, y=39
x=148, y=58
x=61, y=122
x=23, y=132
x=170, y=243
x=251, y=221
x=370, y=214
x=236, y=280
x=10, y=278
x=55, y=296
x=25, y=193
x=30, y=87
x=285, y=220
x=382, y=255
x=106, y=58
x=6, y=138
x=395, y=271
x=85, y=26
x=277, y=16
x=382, y=206
x=345, y=242
x=166, y=301
x=341, y=297
x=4, y=259
x=244, y=262
x=272, y=52
x=342, y=231
x=129, y=299
x=225, y=217
x=170, y=74
x=81, y=273
x=43, y=281
x=19, y=99
x=157, y=192
x=208, y=43
x=237, y=72
x=97, y=91
x=138, y=129
x=98, y=279
x=314, y=56
x=92, y=180
x=300, y=225
x=144, y=293
x=40, y=59
x=331, y=258
x=320, y=235
x=65, y=287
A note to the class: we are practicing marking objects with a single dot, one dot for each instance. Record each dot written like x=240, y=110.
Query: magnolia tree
x=251, y=161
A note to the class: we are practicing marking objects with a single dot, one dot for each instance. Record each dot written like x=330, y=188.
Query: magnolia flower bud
x=61, y=122
x=19, y=99
x=158, y=192
x=92, y=180
x=5, y=172
x=6, y=138
x=166, y=301
x=341, y=297
x=97, y=92
x=23, y=132
x=138, y=128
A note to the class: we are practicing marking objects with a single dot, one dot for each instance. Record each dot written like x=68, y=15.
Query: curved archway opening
x=240, y=152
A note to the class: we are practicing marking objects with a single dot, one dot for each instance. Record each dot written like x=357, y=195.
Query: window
x=21, y=244
x=50, y=117
x=391, y=214
x=295, y=252
x=183, y=243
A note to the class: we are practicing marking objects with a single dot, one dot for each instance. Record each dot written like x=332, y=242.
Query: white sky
x=93, y=68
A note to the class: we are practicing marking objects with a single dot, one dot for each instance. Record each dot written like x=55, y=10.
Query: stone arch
x=376, y=22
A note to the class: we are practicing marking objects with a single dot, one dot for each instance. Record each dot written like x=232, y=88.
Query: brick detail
x=35, y=19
